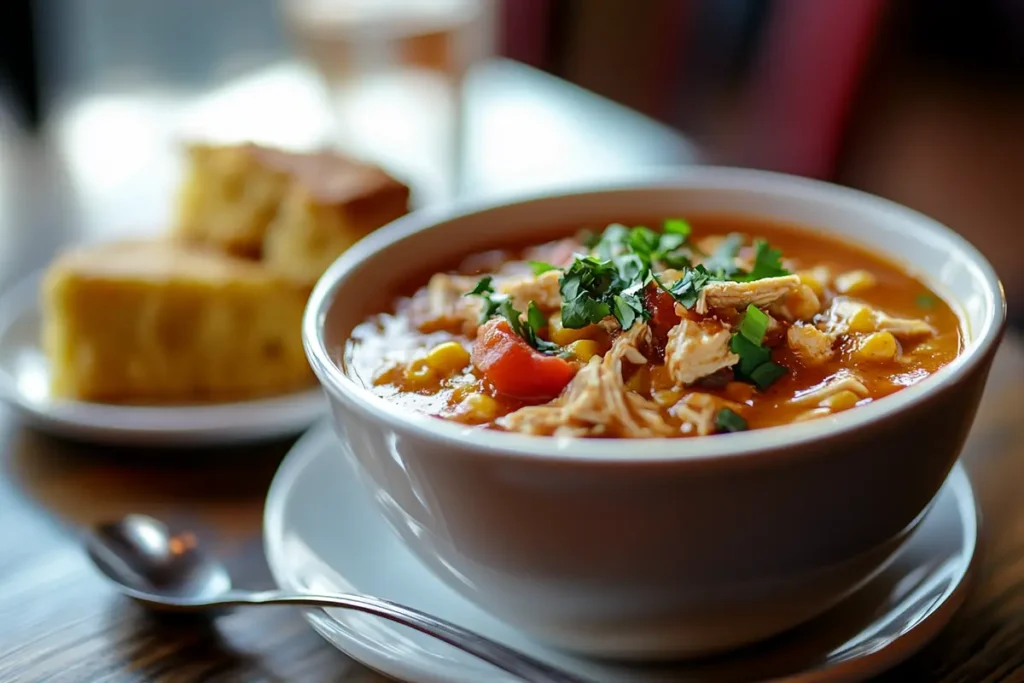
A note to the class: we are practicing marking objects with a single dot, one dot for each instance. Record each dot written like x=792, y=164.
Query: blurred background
x=917, y=100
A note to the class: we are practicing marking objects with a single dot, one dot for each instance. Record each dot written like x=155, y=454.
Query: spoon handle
x=512, y=661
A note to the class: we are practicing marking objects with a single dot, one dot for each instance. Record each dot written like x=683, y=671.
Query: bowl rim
x=339, y=385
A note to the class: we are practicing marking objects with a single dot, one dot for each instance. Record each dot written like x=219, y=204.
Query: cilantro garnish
x=592, y=289
x=499, y=304
x=686, y=290
x=723, y=261
x=492, y=300
x=767, y=263
x=529, y=329
x=729, y=420
x=540, y=267
x=755, y=364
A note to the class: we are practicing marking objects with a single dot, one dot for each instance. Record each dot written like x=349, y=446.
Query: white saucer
x=323, y=534
x=25, y=385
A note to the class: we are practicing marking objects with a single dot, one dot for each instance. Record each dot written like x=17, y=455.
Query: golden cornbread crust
x=295, y=212
x=158, y=322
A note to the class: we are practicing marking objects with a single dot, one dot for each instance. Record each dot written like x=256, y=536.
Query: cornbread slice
x=156, y=322
x=296, y=212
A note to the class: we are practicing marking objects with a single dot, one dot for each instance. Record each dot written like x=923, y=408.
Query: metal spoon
x=167, y=570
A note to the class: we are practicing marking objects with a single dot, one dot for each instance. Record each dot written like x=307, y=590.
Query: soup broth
x=687, y=328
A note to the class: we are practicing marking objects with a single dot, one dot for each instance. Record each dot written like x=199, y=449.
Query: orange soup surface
x=684, y=328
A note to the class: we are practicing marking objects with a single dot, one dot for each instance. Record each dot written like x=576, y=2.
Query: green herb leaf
x=677, y=260
x=767, y=263
x=626, y=310
x=754, y=324
x=686, y=290
x=723, y=261
x=729, y=420
x=613, y=242
x=537, y=320
x=677, y=226
x=492, y=300
x=764, y=375
x=482, y=287
x=530, y=328
x=925, y=301
x=539, y=267
x=581, y=311
x=643, y=241
x=589, y=238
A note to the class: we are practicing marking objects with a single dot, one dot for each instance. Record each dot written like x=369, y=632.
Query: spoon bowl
x=167, y=570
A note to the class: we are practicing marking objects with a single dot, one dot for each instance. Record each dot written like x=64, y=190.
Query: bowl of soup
x=659, y=418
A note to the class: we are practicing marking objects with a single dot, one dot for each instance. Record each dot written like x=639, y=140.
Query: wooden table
x=60, y=622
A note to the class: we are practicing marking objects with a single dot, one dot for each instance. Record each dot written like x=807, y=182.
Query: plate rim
x=312, y=444
x=244, y=421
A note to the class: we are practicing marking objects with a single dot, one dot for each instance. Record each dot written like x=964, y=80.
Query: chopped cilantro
x=540, y=267
x=581, y=311
x=925, y=301
x=686, y=290
x=677, y=226
x=729, y=420
x=482, y=287
x=613, y=241
x=592, y=289
x=723, y=261
x=499, y=304
x=767, y=263
x=530, y=328
x=492, y=300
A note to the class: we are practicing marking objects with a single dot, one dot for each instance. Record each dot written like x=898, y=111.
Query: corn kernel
x=862, y=321
x=418, y=374
x=640, y=381
x=583, y=349
x=447, y=358
x=855, y=281
x=816, y=278
x=879, y=347
x=479, y=407
x=841, y=400
x=563, y=336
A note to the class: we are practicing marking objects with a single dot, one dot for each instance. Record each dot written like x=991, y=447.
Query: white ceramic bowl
x=659, y=547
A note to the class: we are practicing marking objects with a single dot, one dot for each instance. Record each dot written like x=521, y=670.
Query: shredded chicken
x=811, y=345
x=443, y=304
x=597, y=402
x=815, y=397
x=800, y=304
x=741, y=294
x=846, y=315
x=541, y=289
x=697, y=412
x=696, y=350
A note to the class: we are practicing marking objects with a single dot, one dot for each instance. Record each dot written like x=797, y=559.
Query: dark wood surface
x=60, y=622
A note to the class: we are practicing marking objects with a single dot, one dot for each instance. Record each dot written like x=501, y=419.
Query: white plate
x=323, y=534
x=25, y=384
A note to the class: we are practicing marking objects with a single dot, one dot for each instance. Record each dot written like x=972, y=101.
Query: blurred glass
x=395, y=71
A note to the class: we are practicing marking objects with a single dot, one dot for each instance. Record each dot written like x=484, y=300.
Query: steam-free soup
x=687, y=328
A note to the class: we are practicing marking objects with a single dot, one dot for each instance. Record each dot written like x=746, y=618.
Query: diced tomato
x=662, y=308
x=515, y=368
